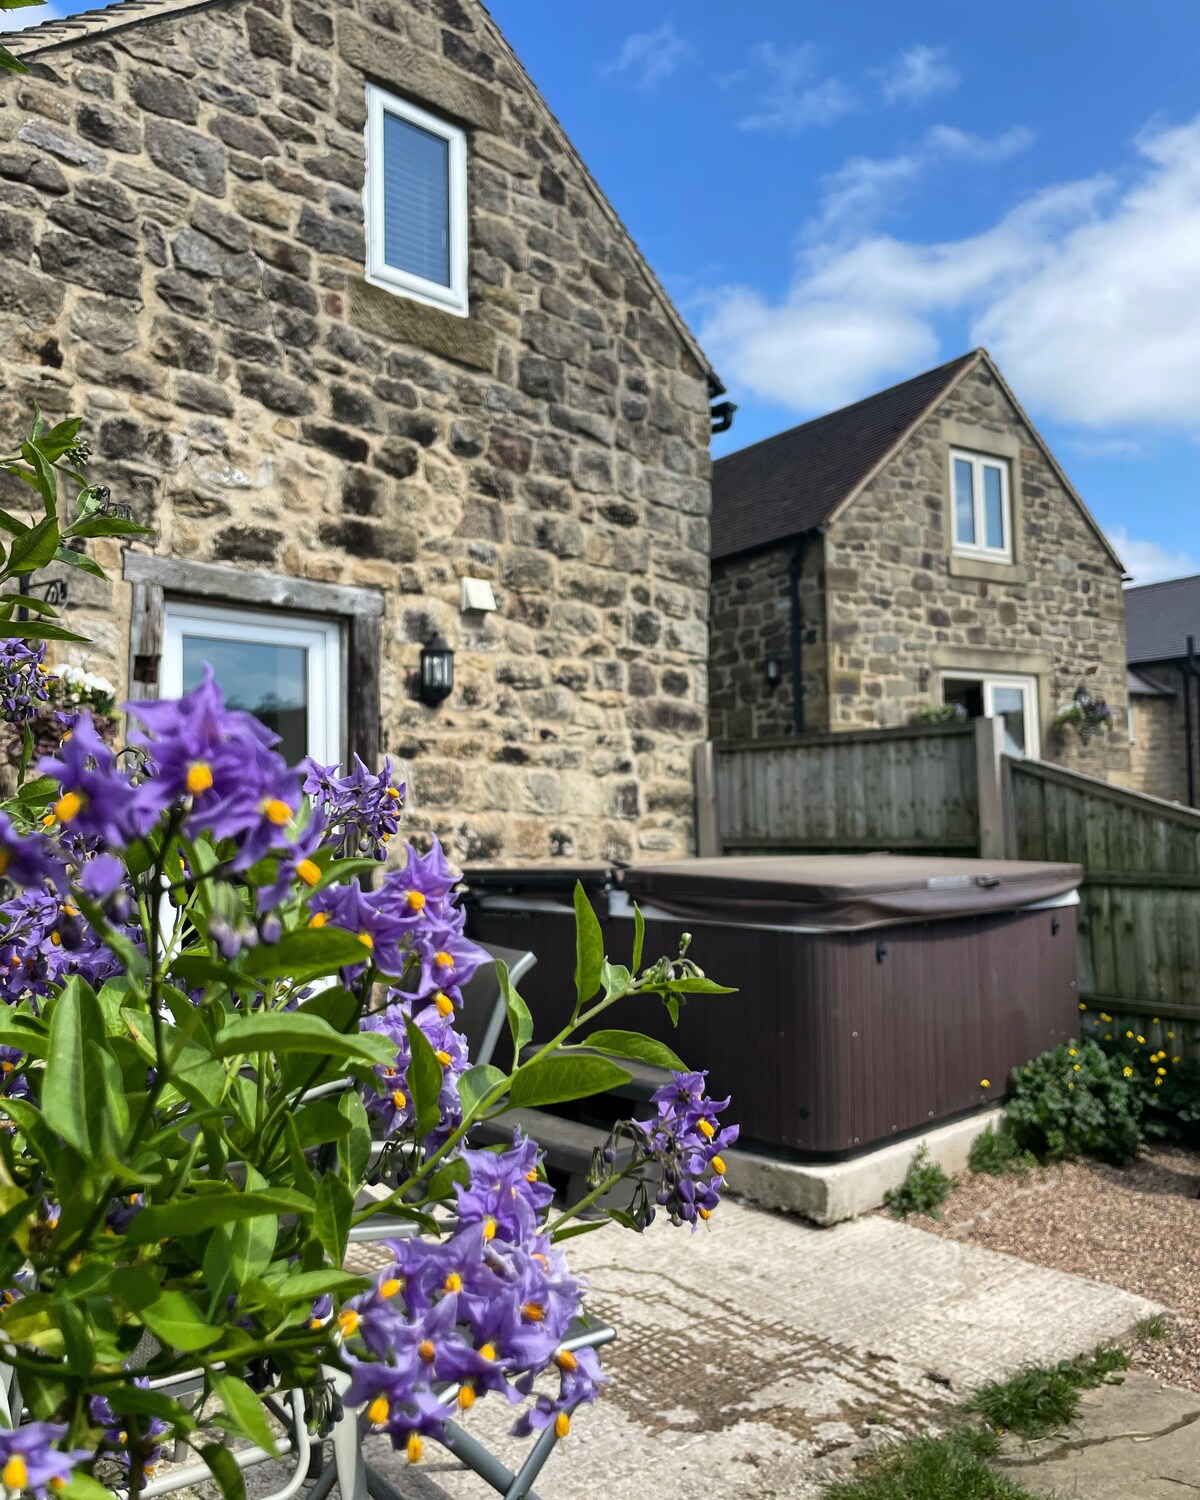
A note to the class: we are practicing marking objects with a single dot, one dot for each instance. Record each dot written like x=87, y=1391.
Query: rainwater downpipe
x=795, y=569
x=1189, y=672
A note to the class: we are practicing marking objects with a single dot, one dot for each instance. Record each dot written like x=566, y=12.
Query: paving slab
x=756, y=1356
x=1139, y=1440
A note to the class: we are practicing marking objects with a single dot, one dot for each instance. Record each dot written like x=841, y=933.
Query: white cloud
x=792, y=97
x=917, y=75
x=949, y=140
x=33, y=15
x=1087, y=293
x=648, y=58
x=1150, y=562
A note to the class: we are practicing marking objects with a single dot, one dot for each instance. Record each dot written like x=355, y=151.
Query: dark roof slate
x=796, y=480
x=1159, y=617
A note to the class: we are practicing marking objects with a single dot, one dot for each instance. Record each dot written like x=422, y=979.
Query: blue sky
x=838, y=196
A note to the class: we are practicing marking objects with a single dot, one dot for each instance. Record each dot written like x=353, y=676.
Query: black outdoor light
x=774, y=672
x=437, y=672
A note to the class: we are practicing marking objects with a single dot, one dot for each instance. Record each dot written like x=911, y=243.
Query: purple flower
x=28, y=859
x=97, y=799
x=116, y=1437
x=505, y=1194
x=30, y=1459
x=362, y=808
x=684, y=1141
x=392, y=1109
x=24, y=680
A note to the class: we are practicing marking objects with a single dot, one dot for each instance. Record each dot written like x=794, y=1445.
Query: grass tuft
x=1155, y=1327
x=996, y=1154
x=924, y=1189
x=931, y=1468
x=1037, y=1402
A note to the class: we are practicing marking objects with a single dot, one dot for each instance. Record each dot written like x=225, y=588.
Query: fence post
x=708, y=830
x=989, y=779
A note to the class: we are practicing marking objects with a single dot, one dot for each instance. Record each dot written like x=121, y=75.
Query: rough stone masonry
x=181, y=257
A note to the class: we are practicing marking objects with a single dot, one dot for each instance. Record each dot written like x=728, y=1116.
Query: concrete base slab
x=844, y=1190
x=1139, y=1440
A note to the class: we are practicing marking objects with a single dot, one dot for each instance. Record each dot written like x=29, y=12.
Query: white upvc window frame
x=979, y=462
x=320, y=638
x=452, y=298
x=990, y=681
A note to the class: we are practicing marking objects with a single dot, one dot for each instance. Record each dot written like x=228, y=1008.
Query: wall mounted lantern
x=437, y=672
x=774, y=672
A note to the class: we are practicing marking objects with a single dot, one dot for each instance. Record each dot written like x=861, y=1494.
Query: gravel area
x=1136, y=1228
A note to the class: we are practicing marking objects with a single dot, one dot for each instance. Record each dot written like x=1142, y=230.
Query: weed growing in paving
x=932, y=1468
x=924, y=1189
x=996, y=1154
x=1037, y=1402
x=1156, y=1327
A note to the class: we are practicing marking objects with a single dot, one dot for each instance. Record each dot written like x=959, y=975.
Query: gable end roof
x=69, y=30
x=1159, y=617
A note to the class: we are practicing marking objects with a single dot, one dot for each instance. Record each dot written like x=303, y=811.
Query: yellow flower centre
x=565, y=1360
x=531, y=1175
x=466, y=1396
x=1128, y=1072
x=56, y=939
x=443, y=960
x=426, y=1351
x=488, y=1352
x=276, y=811
x=453, y=1282
x=309, y=871
x=7, y=1067
x=415, y=900
x=199, y=777
x=367, y=941
x=318, y=919
x=718, y=1165
x=68, y=807
x=707, y=1130
x=445, y=1006
x=705, y=1213
x=443, y=1057
x=399, y=1098
x=562, y=1425
x=348, y=1322
x=3, y=860
x=57, y=1483
x=378, y=1411
x=394, y=793
x=533, y=1312
x=489, y=1229
x=390, y=1287
x=16, y=1474
x=414, y=1448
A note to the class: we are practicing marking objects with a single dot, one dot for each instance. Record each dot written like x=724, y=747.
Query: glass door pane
x=267, y=680
x=1008, y=704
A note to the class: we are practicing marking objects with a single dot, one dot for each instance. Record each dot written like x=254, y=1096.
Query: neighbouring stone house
x=919, y=548
x=352, y=327
x=1164, y=705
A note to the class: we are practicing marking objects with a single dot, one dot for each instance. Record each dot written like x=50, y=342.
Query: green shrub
x=1075, y=1101
x=996, y=1154
x=1167, y=1084
x=1037, y=1401
x=924, y=1189
x=930, y=1468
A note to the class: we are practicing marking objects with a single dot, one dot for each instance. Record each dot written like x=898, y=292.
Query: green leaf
x=424, y=1080
x=356, y=1152
x=307, y=953
x=476, y=1084
x=614, y=979
x=28, y=601
x=77, y=1339
x=62, y=435
x=331, y=1221
x=43, y=479
x=175, y=1320
x=589, y=946
x=224, y=1469
x=284, y=1032
x=572, y=1231
x=244, y=1411
x=554, y=1080
x=83, y=1486
x=108, y=526
x=135, y=1401
x=639, y=939
x=34, y=548
x=520, y=1022
x=697, y=984
x=80, y=560
x=638, y=1048
x=11, y=64
x=238, y=1252
x=37, y=630
x=73, y=1097
x=114, y=1119
x=187, y=1216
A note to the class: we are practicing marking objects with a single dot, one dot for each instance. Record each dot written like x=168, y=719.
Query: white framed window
x=415, y=202
x=284, y=669
x=979, y=493
x=1132, y=722
x=1011, y=699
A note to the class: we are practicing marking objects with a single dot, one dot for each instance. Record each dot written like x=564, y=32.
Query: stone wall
x=901, y=608
x=751, y=620
x=181, y=247
x=1158, y=755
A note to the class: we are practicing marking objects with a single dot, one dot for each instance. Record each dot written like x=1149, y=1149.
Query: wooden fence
x=951, y=790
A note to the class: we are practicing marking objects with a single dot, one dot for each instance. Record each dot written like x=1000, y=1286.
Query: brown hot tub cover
x=843, y=892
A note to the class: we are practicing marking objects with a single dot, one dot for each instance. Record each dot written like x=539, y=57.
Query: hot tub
x=877, y=994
